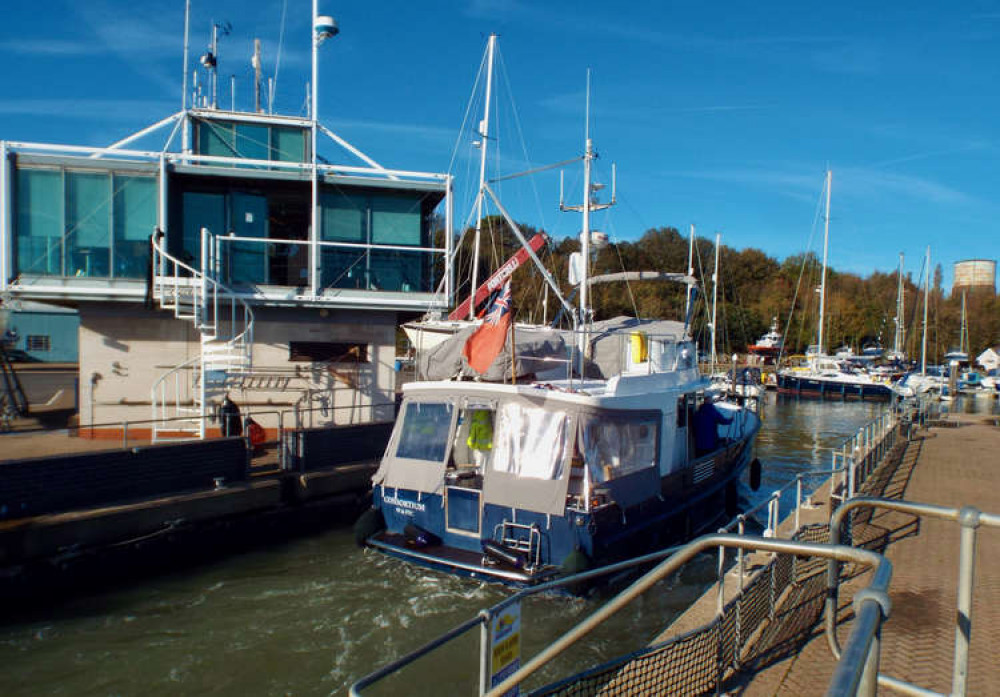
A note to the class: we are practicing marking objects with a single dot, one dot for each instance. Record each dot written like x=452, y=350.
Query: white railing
x=196, y=296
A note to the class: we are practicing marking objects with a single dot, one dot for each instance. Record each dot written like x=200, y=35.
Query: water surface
x=311, y=616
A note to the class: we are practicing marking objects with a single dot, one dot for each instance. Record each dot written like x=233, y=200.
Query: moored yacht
x=520, y=453
x=517, y=482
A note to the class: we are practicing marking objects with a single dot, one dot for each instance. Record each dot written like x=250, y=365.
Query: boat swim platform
x=953, y=463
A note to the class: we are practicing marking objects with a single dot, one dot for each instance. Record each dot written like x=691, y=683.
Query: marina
x=278, y=418
x=312, y=615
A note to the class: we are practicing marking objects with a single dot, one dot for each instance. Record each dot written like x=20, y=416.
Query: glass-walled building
x=85, y=220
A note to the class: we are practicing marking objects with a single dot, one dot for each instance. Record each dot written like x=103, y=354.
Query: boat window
x=682, y=412
x=616, y=447
x=424, y=432
x=473, y=437
x=530, y=442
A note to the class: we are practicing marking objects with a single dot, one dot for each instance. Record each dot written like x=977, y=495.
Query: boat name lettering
x=403, y=503
x=501, y=275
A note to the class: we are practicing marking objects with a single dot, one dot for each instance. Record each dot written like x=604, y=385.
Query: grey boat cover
x=543, y=350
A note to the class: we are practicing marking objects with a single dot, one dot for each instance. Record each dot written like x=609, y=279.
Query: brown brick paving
x=950, y=467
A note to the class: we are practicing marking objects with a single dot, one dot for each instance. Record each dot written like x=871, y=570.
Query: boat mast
x=964, y=330
x=900, y=338
x=484, y=133
x=826, y=244
x=715, y=297
x=927, y=287
x=687, y=304
x=588, y=156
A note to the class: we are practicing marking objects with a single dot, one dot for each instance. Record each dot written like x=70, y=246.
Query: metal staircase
x=182, y=396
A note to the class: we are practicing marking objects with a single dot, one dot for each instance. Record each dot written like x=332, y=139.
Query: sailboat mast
x=484, y=133
x=826, y=245
x=900, y=339
x=961, y=339
x=588, y=156
x=927, y=287
x=687, y=304
x=715, y=297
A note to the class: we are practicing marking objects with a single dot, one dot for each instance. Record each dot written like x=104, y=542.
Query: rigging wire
x=798, y=283
x=277, y=61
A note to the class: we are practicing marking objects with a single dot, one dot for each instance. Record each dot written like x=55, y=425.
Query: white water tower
x=975, y=275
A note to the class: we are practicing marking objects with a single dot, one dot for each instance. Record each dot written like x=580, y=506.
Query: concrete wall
x=125, y=349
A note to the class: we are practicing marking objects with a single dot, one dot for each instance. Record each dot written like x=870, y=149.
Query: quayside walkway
x=952, y=466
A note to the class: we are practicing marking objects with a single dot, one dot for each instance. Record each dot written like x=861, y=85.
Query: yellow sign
x=505, y=646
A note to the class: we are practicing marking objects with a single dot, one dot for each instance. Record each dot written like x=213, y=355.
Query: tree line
x=754, y=290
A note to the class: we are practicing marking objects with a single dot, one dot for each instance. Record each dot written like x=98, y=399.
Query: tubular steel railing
x=969, y=518
x=724, y=643
x=861, y=641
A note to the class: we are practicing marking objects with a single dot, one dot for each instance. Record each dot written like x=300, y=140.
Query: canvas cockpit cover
x=419, y=448
x=529, y=465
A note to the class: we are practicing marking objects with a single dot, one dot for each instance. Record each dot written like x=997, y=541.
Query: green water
x=311, y=616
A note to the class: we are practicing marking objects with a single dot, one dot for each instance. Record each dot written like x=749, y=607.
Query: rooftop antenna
x=256, y=63
x=185, y=136
x=211, y=58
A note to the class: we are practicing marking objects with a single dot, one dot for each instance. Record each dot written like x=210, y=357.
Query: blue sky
x=721, y=114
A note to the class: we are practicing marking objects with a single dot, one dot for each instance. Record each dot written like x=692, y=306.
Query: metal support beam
x=354, y=151
x=139, y=134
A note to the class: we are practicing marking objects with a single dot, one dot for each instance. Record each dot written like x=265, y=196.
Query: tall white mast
x=323, y=28
x=927, y=288
x=484, y=134
x=900, y=338
x=961, y=339
x=826, y=245
x=687, y=304
x=588, y=157
x=314, y=271
x=715, y=298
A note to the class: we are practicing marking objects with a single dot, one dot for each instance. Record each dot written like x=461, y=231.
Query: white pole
x=6, y=230
x=826, y=244
x=927, y=286
x=314, y=100
x=687, y=304
x=184, y=81
x=900, y=330
x=484, y=133
x=715, y=297
x=449, y=239
x=585, y=232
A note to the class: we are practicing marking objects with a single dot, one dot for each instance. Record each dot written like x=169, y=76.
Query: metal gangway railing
x=847, y=678
x=704, y=657
x=197, y=296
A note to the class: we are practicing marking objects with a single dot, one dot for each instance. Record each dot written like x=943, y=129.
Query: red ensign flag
x=486, y=342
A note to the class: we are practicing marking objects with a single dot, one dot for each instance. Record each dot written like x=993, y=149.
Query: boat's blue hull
x=681, y=510
x=831, y=389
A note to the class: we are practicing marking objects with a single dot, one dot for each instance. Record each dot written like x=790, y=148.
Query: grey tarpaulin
x=544, y=351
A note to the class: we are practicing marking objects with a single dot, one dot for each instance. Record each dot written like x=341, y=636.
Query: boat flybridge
x=521, y=479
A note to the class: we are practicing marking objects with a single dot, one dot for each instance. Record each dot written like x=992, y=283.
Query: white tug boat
x=570, y=449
